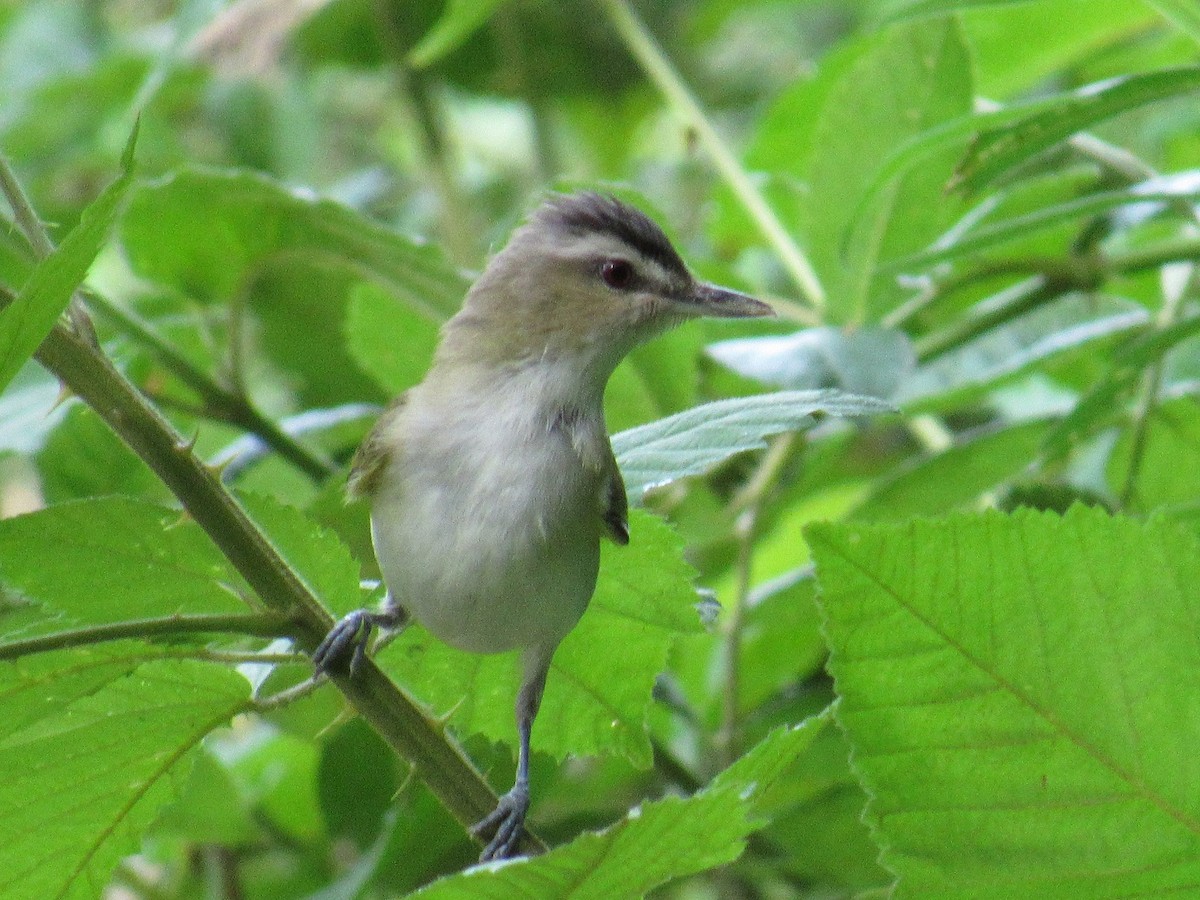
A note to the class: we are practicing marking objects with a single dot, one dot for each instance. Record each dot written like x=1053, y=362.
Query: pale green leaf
x=460, y=19
x=643, y=599
x=693, y=441
x=81, y=786
x=1016, y=690
x=26, y=321
x=870, y=361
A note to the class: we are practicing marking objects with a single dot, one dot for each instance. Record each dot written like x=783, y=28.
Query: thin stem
x=749, y=501
x=660, y=71
x=1170, y=313
x=256, y=624
x=23, y=212
x=218, y=402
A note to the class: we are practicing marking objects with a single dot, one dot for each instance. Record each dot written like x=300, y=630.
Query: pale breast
x=487, y=532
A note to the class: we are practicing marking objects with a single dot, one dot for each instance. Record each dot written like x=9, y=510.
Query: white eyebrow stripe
x=604, y=245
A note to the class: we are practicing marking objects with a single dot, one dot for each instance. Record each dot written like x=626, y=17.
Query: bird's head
x=586, y=278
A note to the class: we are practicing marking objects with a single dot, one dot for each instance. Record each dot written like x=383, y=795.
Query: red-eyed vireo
x=492, y=482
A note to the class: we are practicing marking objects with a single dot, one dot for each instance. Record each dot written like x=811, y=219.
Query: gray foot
x=345, y=647
x=506, y=820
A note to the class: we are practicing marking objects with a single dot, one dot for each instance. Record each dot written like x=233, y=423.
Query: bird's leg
x=352, y=634
x=505, y=822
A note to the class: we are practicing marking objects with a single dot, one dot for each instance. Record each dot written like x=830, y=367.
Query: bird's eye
x=617, y=273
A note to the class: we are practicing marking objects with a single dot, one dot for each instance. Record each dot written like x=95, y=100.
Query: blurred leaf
x=208, y=233
x=1183, y=14
x=67, y=817
x=1146, y=198
x=899, y=10
x=642, y=601
x=902, y=83
x=955, y=478
x=356, y=781
x=391, y=342
x=1168, y=460
x=26, y=321
x=1002, y=353
x=654, y=843
x=870, y=361
x=995, y=152
x=110, y=559
x=82, y=457
x=460, y=18
x=693, y=441
x=1010, y=685
x=209, y=809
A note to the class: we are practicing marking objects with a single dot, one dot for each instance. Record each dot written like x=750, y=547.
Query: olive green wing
x=373, y=455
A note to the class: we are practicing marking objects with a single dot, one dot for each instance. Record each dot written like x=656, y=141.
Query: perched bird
x=492, y=482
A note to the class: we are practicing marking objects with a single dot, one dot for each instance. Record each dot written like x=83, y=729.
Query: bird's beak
x=710, y=300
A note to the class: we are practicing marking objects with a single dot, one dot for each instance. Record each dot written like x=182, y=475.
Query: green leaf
x=82, y=457
x=315, y=553
x=902, y=82
x=899, y=10
x=1168, y=461
x=391, y=342
x=995, y=152
x=956, y=478
x=26, y=321
x=1154, y=192
x=80, y=787
x=655, y=843
x=693, y=441
x=209, y=233
x=643, y=599
x=1011, y=686
x=1183, y=14
x=459, y=20
x=110, y=559
x=1004, y=353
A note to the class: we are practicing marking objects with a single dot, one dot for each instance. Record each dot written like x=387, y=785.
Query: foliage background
x=982, y=212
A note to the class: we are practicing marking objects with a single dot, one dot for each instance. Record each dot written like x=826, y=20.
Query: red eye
x=617, y=273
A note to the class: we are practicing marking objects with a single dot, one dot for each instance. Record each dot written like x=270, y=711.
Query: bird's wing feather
x=372, y=456
x=616, y=503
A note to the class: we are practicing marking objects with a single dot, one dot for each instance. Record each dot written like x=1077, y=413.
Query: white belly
x=489, y=545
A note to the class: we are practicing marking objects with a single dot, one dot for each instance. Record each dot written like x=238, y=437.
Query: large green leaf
x=693, y=441
x=110, y=559
x=642, y=601
x=994, y=153
x=209, y=233
x=654, y=843
x=1015, y=691
x=79, y=787
x=26, y=321
x=390, y=341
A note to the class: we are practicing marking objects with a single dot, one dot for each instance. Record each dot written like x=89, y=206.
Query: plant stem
x=660, y=71
x=218, y=402
x=257, y=624
x=23, y=212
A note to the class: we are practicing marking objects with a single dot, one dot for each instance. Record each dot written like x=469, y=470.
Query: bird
x=492, y=482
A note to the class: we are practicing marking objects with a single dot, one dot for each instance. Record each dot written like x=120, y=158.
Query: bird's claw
x=352, y=633
x=506, y=821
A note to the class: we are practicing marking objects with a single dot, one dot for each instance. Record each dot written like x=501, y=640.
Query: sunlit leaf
x=459, y=20
x=79, y=787
x=1011, y=687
